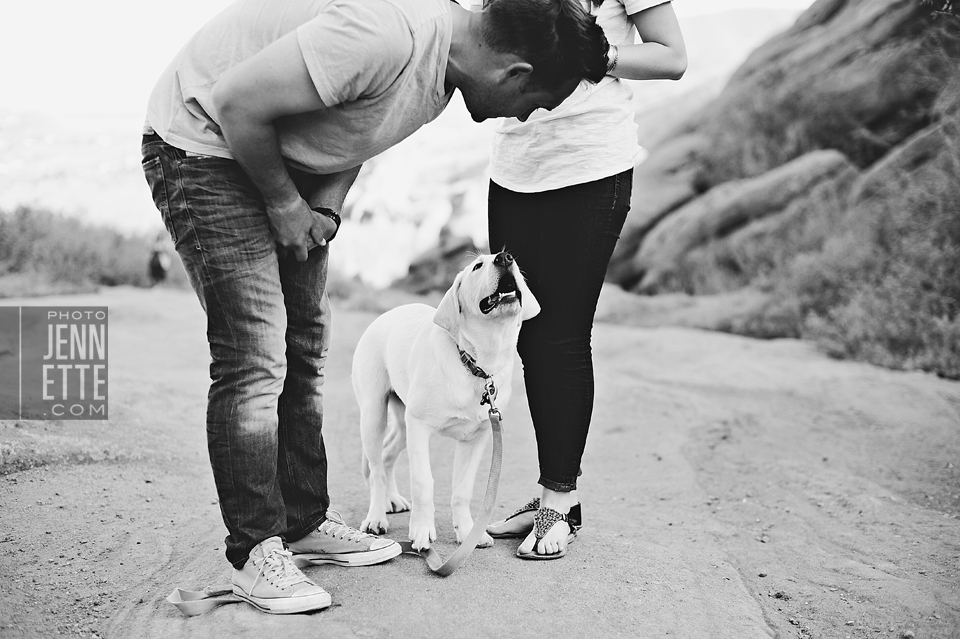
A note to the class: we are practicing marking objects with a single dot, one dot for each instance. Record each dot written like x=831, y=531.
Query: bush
x=897, y=300
x=43, y=252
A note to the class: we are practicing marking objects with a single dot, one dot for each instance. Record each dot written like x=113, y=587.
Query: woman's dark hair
x=559, y=38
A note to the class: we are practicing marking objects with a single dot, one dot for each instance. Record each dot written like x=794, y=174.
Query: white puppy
x=415, y=361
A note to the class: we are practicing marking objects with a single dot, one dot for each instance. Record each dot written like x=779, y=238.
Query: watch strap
x=333, y=215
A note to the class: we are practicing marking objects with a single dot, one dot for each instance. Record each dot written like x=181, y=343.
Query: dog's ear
x=531, y=307
x=447, y=316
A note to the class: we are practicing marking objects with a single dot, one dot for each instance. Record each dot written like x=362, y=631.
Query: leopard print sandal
x=543, y=521
x=492, y=530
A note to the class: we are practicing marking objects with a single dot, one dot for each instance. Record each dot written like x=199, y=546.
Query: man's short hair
x=559, y=38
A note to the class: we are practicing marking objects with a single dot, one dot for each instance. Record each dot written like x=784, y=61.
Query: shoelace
x=336, y=528
x=278, y=568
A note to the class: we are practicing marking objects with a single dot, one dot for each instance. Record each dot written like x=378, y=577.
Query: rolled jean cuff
x=560, y=487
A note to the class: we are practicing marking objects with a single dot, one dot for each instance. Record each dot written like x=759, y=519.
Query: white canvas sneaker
x=334, y=542
x=273, y=583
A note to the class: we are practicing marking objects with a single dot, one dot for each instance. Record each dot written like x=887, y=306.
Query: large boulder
x=855, y=75
x=900, y=165
x=724, y=209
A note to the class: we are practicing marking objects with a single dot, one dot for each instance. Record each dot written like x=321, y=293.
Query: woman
x=559, y=194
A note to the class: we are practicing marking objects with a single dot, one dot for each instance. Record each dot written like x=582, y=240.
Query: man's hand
x=296, y=228
x=324, y=228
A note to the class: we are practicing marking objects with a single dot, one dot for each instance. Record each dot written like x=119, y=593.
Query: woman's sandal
x=498, y=531
x=543, y=521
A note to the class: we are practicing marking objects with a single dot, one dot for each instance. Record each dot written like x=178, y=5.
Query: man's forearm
x=254, y=144
x=331, y=190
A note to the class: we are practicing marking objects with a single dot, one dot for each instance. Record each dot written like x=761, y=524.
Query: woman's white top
x=591, y=135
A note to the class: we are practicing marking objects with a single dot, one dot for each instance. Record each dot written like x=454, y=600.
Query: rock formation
x=849, y=94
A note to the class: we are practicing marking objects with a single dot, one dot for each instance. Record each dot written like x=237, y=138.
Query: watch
x=333, y=215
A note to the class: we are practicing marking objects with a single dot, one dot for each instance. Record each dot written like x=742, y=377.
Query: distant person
x=159, y=264
x=254, y=134
x=559, y=194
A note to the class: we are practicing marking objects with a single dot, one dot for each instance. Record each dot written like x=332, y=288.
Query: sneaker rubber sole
x=365, y=558
x=285, y=605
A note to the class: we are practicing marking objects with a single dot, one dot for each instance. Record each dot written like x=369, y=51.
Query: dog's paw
x=421, y=535
x=375, y=525
x=486, y=541
x=397, y=504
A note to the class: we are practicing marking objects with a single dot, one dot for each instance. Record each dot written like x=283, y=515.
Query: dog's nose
x=503, y=259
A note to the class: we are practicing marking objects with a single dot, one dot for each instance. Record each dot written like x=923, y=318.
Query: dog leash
x=197, y=602
x=431, y=556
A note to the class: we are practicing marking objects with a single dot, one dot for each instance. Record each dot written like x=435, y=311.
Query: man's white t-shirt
x=591, y=135
x=378, y=65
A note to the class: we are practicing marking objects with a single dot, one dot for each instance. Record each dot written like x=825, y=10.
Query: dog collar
x=489, y=388
x=471, y=364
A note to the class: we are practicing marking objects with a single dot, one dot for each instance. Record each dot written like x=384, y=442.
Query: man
x=254, y=134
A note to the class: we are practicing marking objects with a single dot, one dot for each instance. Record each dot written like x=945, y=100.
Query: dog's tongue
x=489, y=303
x=506, y=291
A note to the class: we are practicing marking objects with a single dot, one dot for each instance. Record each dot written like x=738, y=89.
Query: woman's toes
x=527, y=545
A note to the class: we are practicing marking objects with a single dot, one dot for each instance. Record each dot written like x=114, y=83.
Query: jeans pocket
x=153, y=171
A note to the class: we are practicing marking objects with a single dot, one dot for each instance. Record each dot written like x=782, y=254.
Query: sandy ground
x=731, y=488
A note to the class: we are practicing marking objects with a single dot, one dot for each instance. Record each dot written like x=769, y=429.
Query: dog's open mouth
x=506, y=293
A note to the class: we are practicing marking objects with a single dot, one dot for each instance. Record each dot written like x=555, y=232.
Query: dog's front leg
x=423, y=529
x=466, y=461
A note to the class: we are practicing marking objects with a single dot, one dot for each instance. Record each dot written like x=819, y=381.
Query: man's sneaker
x=334, y=542
x=271, y=582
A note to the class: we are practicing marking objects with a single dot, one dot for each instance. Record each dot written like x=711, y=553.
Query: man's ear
x=447, y=316
x=531, y=307
x=518, y=71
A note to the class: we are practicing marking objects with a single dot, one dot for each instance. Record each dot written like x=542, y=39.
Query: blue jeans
x=268, y=325
x=562, y=241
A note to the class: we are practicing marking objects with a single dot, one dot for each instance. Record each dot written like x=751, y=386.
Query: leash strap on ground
x=432, y=557
x=197, y=602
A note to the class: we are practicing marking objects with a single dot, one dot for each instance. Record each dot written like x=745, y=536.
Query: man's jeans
x=268, y=324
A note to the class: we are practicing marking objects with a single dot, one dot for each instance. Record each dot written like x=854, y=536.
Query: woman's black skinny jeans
x=562, y=241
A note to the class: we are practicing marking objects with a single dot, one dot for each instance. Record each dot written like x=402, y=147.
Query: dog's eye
x=477, y=265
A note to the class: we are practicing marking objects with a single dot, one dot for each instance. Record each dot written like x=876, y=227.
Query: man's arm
x=248, y=99
x=331, y=190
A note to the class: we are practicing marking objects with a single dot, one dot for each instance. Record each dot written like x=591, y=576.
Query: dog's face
x=491, y=286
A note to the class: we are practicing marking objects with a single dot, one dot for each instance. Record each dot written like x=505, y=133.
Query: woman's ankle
x=561, y=502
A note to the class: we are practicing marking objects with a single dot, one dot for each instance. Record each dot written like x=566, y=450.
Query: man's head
x=531, y=54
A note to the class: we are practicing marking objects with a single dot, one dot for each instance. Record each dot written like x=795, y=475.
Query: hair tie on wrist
x=612, y=62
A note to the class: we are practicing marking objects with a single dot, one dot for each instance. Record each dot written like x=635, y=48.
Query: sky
x=102, y=57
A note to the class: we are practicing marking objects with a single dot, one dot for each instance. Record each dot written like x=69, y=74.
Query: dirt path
x=732, y=488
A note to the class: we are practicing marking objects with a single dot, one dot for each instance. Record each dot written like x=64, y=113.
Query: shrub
x=43, y=252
